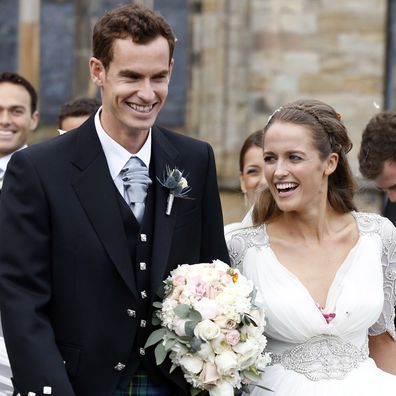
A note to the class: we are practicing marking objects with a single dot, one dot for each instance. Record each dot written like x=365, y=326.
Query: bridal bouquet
x=211, y=328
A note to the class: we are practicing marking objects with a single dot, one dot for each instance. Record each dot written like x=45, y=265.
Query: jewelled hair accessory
x=273, y=113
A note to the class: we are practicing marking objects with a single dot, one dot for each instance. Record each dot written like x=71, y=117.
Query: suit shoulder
x=56, y=147
x=187, y=141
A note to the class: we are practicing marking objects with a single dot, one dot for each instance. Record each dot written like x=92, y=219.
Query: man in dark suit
x=377, y=157
x=18, y=116
x=72, y=114
x=79, y=267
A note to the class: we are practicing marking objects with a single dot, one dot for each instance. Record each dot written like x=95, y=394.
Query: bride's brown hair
x=329, y=135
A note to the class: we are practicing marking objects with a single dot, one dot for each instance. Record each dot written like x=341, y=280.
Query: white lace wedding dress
x=313, y=356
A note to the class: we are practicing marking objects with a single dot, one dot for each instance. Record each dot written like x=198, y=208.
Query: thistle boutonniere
x=177, y=184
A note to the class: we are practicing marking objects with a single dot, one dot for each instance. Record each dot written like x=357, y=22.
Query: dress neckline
x=341, y=271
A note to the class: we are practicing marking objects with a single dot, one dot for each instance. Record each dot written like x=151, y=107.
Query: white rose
x=181, y=270
x=209, y=374
x=220, y=265
x=263, y=361
x=220, y=344
x=206, y=330
x=206, y=307
x=222, y=389
x=226, y=363
x=206, y=352
x=192, y=364
x=247, y=352
x=183, y=182
x=226, y=299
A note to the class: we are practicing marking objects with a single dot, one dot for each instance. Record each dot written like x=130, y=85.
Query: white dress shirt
x=117, y=156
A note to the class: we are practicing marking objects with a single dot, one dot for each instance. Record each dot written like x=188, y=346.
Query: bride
x=325, y=272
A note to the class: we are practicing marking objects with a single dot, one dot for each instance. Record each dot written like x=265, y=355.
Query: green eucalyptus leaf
x=157, y=304
x=189, y=327
x=194, y=315
x=182, y=311
x=195, y=391
x=195, y=344
x=155, y=336
x=160, y=353
x=169, y=344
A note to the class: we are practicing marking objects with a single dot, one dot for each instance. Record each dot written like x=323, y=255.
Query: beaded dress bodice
x=362, y=295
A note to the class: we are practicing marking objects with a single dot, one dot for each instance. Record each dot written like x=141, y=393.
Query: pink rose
x=214, y=289
x=199, y=288
x=179, y=281
x=177, y=292
x=233, y=337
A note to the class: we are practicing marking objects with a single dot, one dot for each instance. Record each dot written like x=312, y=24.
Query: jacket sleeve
x=25, y=283
x=213, y=243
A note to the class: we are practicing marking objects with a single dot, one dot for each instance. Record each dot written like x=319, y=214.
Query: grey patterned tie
x=136, y=182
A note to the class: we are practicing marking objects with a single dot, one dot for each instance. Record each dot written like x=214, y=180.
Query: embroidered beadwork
x=370, y=223
x=245, y=239
x=322, y=357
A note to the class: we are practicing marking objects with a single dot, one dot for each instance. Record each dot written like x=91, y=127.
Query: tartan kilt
x=141, y=386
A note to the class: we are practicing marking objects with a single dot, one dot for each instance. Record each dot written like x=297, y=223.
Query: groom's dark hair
x=139, y=23
x=16, y=79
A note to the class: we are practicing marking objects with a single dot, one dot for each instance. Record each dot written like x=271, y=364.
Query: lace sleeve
x=385, y=322
x=239, y=242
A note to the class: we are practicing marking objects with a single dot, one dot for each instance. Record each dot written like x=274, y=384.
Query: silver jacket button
x=131, y=313
x=119, y=366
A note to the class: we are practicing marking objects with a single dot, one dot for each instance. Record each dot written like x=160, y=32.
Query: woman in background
x=326, y=273
x=251, y=172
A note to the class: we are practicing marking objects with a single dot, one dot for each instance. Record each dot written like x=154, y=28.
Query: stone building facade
x=238, y=61
x=249, y=57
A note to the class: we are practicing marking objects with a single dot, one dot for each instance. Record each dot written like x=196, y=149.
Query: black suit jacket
x=66, y=278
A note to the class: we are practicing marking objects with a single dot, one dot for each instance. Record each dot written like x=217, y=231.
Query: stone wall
x=236, y=61
x=251, y=56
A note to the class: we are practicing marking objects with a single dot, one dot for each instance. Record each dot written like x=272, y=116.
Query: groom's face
x=134, y=87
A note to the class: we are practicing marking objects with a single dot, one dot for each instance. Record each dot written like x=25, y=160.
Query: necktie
x=136, y=182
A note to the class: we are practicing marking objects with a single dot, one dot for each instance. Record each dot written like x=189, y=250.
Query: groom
x=81, y=257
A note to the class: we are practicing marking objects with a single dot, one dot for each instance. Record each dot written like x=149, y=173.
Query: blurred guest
x=18, y=116
x=251, y=167
x=73, y=114
x=377, y=157
x=251, y=172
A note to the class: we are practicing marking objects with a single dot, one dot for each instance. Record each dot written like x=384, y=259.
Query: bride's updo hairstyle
x=329, y=135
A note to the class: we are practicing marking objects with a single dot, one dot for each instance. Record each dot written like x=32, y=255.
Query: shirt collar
x=116, y=155
x=4, y=160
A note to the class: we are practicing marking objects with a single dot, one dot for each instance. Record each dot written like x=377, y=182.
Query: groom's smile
x=134, y=86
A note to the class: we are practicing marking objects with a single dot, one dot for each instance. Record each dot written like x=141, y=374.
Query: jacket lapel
x=164, y=154
x=96, y=191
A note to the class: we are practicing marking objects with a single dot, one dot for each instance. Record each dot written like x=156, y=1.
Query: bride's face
x=296, y=176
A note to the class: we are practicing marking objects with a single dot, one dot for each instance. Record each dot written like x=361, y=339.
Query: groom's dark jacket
x=72, y=310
